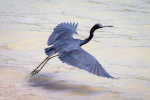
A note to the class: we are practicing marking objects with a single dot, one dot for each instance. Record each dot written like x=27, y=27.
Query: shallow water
x=124, y=50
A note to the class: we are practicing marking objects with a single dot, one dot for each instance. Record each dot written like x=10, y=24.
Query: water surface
x=124, y=50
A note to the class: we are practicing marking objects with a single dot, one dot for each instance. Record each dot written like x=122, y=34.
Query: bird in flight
x=69, y=50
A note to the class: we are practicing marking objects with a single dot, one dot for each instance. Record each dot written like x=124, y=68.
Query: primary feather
x=62, y=30
x=83, y=60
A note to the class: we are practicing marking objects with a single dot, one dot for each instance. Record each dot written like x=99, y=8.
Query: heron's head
x=97, y=26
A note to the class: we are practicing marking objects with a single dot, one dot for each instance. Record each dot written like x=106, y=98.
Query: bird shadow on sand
x=47, y=81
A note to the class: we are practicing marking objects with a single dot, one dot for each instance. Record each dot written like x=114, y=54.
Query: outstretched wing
x=83, y=60
x=62, y=30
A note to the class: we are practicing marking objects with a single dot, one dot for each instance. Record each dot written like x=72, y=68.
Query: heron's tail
x=49, y=51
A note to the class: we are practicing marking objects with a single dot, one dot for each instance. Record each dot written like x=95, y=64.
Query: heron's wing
x=83, y=60
x=65, y=30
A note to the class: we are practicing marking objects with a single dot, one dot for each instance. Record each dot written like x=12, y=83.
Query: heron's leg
x=45, y=63
x=36, y=70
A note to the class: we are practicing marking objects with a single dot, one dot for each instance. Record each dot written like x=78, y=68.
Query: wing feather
x=62, y=30
x=83, y=60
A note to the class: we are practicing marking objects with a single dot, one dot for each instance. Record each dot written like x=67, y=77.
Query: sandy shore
x=13, y=87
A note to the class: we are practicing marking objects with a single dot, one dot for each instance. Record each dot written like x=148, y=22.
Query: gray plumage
x=63, y=30
x=70, y=50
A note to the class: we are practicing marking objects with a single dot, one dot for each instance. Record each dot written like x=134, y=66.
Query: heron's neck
x=90, y=36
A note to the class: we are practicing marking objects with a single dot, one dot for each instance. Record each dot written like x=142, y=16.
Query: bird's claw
x=35, y=72
x=39, y=68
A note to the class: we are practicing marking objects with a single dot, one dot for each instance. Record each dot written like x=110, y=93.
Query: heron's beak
x=108, y=26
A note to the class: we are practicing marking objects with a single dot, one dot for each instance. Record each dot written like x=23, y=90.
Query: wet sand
x=12, y=86
x=12, y=89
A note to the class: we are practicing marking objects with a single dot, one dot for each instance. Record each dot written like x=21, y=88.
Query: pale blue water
x=123, y=50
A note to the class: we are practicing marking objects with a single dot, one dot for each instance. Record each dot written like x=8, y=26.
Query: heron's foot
x=35, y=72
x=42, y=64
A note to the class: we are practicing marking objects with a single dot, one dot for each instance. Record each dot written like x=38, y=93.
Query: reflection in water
x=123, y=50
x=49, y=83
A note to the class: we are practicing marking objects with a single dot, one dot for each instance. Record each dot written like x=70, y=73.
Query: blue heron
x=69, y=50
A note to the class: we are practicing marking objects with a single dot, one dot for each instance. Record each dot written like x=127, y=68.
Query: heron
x=69, y=51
